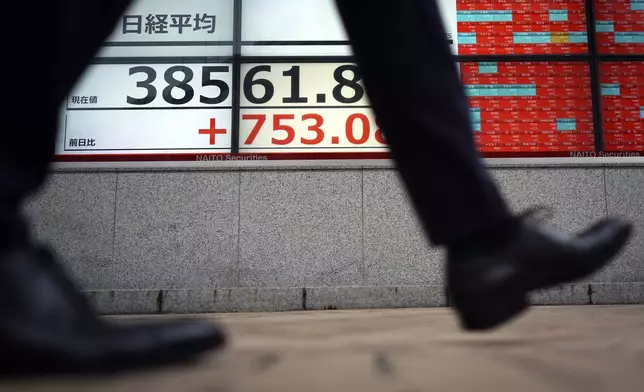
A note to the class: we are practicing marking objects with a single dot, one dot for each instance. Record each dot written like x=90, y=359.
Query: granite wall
x=263, y=240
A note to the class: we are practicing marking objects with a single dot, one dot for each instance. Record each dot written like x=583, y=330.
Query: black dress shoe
x=48, y=327
x=488, y=290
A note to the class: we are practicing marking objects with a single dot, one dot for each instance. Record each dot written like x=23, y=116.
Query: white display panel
x=306, y=28
x=149, y=131
x=125, y=86
x=136, y=109
x=161, y=28
x=306, y=108
x=291, y=109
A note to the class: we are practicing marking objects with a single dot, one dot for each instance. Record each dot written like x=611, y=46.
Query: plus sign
x=212, y=131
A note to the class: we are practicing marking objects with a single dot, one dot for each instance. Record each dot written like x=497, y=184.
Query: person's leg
x=494, y=258
x=46, y=324
x=47, y=53
x=416, y=93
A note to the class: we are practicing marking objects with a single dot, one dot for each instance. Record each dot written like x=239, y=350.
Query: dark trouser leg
x=50, y=44
x=417, y=95
x=46, y=324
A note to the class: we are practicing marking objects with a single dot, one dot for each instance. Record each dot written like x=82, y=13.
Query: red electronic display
x=530, y=107
x=505, y=27
x=620, y=26
x=622, y=87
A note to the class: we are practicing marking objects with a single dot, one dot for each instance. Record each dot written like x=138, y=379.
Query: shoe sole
x=489, y=311
x=20, y=366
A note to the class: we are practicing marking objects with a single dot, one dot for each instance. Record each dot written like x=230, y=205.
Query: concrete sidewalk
x=586, y=348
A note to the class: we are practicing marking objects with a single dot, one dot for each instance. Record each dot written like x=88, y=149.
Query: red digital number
x=261, y=120
x=314, y=128
x=380, y=136
x=278, y=126
x=357, y=127
x=366, y=128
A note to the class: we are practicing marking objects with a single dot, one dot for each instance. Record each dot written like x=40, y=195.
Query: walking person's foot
x=490, y=287
x=47, y=326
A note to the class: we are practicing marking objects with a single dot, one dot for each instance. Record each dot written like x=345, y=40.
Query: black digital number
x=250, y=82
x=207, y=80
x=146, y=84
x=353, y=84
x=184, y=85
x=294, y=74
x=224, y=89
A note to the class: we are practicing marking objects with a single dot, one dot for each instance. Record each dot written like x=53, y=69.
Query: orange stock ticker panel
x=530, y=108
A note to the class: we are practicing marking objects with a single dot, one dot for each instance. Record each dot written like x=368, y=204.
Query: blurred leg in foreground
x=46, y=324
x=494, y=258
